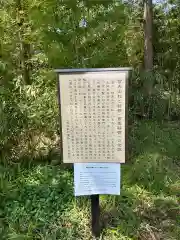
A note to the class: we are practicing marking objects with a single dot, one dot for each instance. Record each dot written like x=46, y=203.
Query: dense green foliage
x=37, y=36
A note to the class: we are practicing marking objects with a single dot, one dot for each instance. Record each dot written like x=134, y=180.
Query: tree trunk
x=148, y=45
x=25, y=52
x=25, y=62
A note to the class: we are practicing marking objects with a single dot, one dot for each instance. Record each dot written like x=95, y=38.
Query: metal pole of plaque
x=95, y=215
x=93, y=117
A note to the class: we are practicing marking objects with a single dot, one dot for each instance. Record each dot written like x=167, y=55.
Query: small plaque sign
x=96, y=178
x=93, y=115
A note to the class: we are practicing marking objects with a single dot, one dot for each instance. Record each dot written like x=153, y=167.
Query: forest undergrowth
x=37, y=200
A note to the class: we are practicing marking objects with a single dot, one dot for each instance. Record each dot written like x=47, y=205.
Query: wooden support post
x=95, y=214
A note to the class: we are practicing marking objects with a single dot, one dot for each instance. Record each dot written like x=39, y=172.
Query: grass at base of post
x=37, y=200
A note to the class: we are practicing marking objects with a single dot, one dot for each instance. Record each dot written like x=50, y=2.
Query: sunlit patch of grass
x=114, y=234
x=38, y=202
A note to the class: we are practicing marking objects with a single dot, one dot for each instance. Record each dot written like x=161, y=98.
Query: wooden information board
x=93, y=107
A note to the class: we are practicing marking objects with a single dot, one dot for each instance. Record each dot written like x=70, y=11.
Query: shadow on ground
x=149, y=204
x=155, y=158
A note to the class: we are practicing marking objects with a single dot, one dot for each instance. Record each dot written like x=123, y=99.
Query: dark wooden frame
x=83, y=70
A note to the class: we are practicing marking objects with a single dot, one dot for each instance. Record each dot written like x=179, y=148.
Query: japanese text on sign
x=93, y=116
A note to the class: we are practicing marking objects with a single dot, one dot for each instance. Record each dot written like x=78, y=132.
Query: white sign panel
x=93, y=116
x=96, y=178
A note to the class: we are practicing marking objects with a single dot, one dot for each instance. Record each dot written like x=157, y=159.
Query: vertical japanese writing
x=93, y=117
